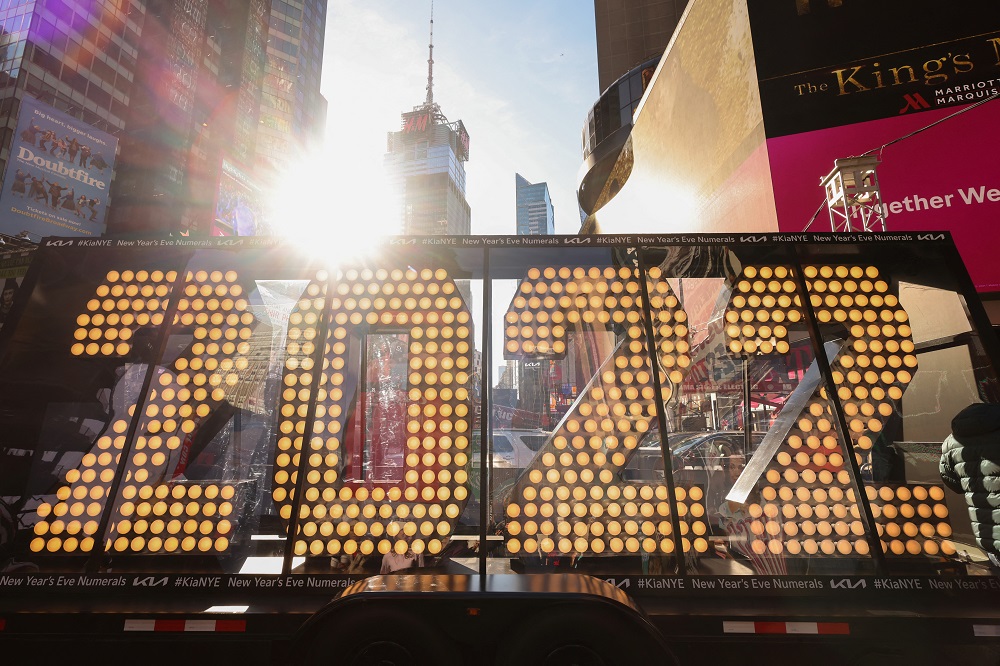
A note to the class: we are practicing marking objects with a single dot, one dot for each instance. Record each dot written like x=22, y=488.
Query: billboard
x=832, y=85
x=824, y=64
x=239, y=207
x=58, y=175
x=941, y=179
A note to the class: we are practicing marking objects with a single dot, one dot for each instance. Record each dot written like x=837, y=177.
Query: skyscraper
x=630, y=32
x=251, y=106
x=194, y=105
x=535, y=214
x=631, y=38
x=79, y=58
x=425, y=165
x=292, y=110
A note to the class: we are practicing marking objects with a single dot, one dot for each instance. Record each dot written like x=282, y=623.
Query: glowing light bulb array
x=155, y=514
x=337, y=516
x=912, y=520
x=571, y=497
x=806, y=503
x=124, y=301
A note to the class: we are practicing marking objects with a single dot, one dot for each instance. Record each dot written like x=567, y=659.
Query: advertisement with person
x=239, y=209
x=58, y=175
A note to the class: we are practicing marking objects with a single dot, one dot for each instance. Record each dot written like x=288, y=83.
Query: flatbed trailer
x=823, y=619
x=157, y=397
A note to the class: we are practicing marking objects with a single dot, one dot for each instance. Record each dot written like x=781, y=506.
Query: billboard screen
x=835, y=82
x=823, y=64
x=940, y=179
x=58, y=175
x=239, y=208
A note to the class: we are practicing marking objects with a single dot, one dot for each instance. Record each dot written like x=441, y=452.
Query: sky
x=520, y=74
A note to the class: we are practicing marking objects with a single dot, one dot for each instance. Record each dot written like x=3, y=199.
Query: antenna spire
x=430, y=63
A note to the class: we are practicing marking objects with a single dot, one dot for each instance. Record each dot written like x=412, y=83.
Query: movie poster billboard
x=901, y=79
x=239, y=205
x=58, y=175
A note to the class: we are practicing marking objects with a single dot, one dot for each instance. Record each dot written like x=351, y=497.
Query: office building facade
x=194, y=105
x=425, y=165
x=535, y=213
x=631, y=38
x=630, y=32
x=79, y=58
x=292, y=115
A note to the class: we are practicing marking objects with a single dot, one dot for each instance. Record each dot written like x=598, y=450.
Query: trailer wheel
x=574, y=636
x=376, y=636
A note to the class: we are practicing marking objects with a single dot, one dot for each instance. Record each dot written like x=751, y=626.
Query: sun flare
x=332, y=211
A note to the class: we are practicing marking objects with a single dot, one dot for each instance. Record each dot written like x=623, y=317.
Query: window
x=502, y=445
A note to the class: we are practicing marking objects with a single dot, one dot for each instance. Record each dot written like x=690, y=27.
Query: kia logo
x=619, y=584
x=58, y=243
x=849, y=584
x=150, y=581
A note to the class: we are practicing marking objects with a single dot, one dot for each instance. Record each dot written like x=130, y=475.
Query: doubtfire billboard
x=907, y=80
x=58, y=175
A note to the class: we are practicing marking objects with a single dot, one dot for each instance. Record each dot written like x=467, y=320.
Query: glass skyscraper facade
x=425, y=165
x=198, y=87
x=292, y=110
x=535, y=213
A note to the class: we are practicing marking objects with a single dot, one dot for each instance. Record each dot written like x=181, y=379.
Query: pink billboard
x=946, y=177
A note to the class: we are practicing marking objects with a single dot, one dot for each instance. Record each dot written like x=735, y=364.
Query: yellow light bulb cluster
x=571, y=495
x=213, y=308
x=670, y=330
x=345, y=516
x=763, y=305
x=639, y=524
x=182, y=518
x=813, y=515
x=70, y=524
x=912, y=520
x=870, y=375
x=124, y=301
x=554, y=301
x=878, y=361
x=551, y=299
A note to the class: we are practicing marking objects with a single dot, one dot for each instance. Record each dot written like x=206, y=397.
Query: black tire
x=563, y=635
x=375, y=635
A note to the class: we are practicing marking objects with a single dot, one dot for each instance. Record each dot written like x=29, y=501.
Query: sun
x=332, y=209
